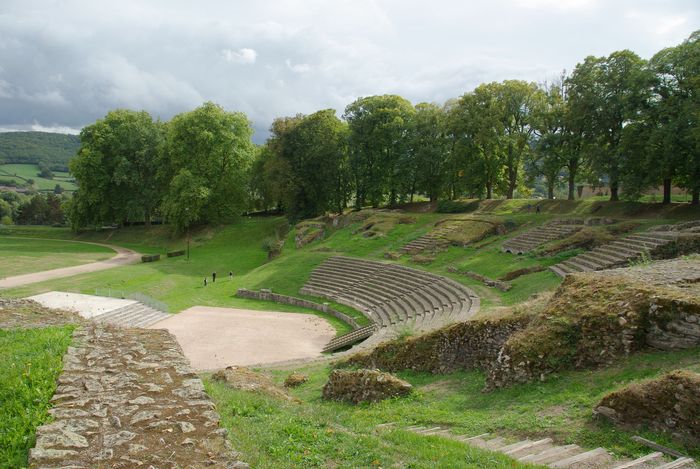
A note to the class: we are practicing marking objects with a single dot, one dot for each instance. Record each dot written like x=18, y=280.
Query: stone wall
x=670, y=403
x=267, y=295
x=461, y=346
x=595, y=318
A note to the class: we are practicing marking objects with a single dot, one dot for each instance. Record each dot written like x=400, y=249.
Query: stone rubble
x=128, y=398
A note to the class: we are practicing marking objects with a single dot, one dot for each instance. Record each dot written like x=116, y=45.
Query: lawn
x=317, y=433
x=20, y=173
x=238, y=247
x=30, y=361
x=24, y=255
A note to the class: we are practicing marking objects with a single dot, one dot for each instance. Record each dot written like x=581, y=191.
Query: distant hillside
x=54, y=150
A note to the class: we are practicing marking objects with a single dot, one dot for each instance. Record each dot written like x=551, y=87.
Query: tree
x=606, y=93
x=430, y=148
x=665, y=134
x=478, y=128
x=378, y=128
x=306, y=155
x=549, y=155
x=208, y=152
x=115, y=169
x=520, y=104
x=188, y=195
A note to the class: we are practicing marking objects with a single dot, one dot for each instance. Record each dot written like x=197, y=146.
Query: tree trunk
x=667, y=191
x=488, y=190
x=550, y=189
x=696, y=196
x=147, y=218
x=572, y=166
x=614, y=197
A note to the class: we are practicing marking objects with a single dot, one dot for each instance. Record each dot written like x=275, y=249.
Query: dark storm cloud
x=64, y=64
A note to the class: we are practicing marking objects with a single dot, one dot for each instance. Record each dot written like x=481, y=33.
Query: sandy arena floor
x=214, y=338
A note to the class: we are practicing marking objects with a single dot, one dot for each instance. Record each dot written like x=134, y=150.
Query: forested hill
x=55, y=150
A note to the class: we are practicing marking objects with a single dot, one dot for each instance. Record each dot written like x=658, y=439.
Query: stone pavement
x=128, y=398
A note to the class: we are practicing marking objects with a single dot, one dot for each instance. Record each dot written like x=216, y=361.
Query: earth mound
x=244, y=379
x=364, y=386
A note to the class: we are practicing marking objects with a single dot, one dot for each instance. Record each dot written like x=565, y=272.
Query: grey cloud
x=64, y=64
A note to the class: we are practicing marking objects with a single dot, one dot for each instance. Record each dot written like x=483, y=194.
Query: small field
x=317, y=433
x=30, y=361
x=21, y=173
x=23, y=255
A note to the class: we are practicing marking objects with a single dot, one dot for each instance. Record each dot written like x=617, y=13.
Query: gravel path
x=124, y=256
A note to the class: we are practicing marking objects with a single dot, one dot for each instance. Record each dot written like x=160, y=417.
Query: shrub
x=455, y=206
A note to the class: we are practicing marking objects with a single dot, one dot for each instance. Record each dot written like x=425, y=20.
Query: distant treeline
x=52, y=149
x=618, y=120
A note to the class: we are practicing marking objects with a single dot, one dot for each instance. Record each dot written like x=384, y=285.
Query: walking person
x=213, y=277
x=205, y=281
x=230, y=275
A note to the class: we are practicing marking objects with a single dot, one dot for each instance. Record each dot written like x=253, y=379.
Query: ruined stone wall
x=467, y=345
x=594, y=319
x=291, y=300
x=670, y=403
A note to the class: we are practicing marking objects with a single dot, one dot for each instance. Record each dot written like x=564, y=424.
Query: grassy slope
x=238, y=247
x=30, y=361
x=30, y=171
x=22, y=255
x=271, y=433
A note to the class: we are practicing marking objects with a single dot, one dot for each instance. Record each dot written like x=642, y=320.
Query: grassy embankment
x=238, y=248
x=21, y=173
x=30, y=362
x=24, y=255
x=272, y=433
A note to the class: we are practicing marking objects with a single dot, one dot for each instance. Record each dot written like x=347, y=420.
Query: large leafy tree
x=607, y=93
x=520, y=104
x=208, y=152
x=430, y=149
x=478, y=128
x=549, y=151
x=665, y=133
x=116, y=169
x=378, y=145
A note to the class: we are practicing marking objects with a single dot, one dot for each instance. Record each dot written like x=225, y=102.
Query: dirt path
x=124, y=256
x=214, y=338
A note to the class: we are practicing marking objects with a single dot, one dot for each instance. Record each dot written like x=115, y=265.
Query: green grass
x=317, y=433
x=20, y=173
x=24, y=255
x=238, y=247
x=30, y=361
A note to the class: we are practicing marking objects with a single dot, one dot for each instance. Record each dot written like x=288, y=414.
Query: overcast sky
x=63, y=64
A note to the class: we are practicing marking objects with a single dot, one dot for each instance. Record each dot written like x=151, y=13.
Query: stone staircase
x=431, y=241
x=392, y=295
x=134, y=315
x=350, y=338
x=545, y=452
x=535, y=237
x=618, y=253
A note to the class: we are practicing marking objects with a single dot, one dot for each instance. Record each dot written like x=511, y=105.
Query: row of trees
x=617, y=120
x=192, y=169
x=38, y=209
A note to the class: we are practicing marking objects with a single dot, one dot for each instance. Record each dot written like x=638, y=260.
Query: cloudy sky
x=64, y=64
